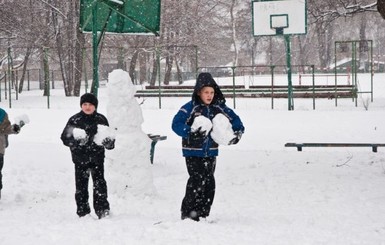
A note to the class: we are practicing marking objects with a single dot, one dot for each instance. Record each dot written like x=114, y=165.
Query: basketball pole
x=289, y=76
x=95, y=59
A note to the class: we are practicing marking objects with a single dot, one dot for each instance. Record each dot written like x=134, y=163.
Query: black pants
x=1, y=167
x=82, y=175
x=200, y=189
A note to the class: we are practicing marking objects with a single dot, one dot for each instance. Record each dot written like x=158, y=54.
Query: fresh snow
x=265, y=193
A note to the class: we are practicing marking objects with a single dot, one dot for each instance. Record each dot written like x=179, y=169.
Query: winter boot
x=103, y=214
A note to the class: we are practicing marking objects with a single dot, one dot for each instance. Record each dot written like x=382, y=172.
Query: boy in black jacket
x=88, y=156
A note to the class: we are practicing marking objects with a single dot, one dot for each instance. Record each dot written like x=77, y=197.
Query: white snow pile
x=79, y=134
x=130, y=160
x=222, y=130
x=203, y=123
x=103, y=133
x=21, y=120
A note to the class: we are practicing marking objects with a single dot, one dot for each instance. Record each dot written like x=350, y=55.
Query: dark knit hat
x=90, y=98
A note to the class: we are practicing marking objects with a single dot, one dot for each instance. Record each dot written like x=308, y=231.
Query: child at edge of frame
x=198, y=146
x=5, y=129
x=87, y=156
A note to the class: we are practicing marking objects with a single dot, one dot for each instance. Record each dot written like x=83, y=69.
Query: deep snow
x=266, y=193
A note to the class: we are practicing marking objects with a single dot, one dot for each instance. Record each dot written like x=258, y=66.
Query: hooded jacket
x=5, y=129
x=184, y=118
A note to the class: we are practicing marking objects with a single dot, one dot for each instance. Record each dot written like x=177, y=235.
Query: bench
x=299, y=146
x=154, y=139
x=256, y=91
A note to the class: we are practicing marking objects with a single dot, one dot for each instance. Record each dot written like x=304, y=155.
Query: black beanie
x=90, y=98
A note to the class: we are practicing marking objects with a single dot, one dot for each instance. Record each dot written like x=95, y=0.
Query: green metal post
x=196, y=61
x=28, y=79
x=5, y=86
x=335, y=73
x=272, y=86
x=9, y=76
x=289, y=85
x=313, y=82
x=95, y=50
x=354, y=61
x=371, y=70
x=233, y=68
x=159, y=82
x=85, y=70
x=46, y=76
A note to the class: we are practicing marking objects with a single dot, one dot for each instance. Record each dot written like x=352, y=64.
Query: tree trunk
x=26, y=58
x=154, y=72
x=381, y=8
x=78, y=62
x=131, y=70
x=179, y=72
x=143, y=67
x=167, y=75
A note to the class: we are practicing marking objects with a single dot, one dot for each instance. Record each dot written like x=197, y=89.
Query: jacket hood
x=2, y=115
x=206, y=80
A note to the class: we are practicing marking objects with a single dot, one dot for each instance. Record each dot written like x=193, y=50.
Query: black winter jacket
x=87, y=152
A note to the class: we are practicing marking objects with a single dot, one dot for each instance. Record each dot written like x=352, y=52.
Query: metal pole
x=355, y=68
x=9, y=75
x=196, y=61
x=95, y=83
x=313, y=82
x=5, y=86
x=272, y=86
x=371, y=70
x=85, y=70
x=46, y=75
x=289, y=85
x=233, y=68
x=158, y=71
x=28, y=78
x=335, y=72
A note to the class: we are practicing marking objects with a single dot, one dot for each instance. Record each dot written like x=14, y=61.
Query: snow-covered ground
x=266, y=193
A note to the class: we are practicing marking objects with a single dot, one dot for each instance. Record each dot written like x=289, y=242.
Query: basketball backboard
x=272, y=17
x=121, y=16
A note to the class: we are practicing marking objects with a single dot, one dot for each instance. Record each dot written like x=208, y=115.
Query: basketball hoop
x=279, y=22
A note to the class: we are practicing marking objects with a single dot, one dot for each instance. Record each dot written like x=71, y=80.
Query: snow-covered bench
x=299, y=146
x=256, y=91
x=155, y=139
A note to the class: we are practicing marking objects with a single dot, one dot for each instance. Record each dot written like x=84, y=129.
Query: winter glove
x=235, y=140
x=108, y=143
x=16, y=128
x=197, y=136
x=82, y=141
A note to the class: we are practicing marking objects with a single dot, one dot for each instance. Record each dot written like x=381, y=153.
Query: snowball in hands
x=222, y=130
x=104, y=132
x=79, y=134
x=21, y=120
x=202, y=122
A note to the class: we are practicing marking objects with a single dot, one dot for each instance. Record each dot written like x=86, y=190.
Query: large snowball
x=103, y=133
x=202, y=122
x=222, y=130
x=79, y=133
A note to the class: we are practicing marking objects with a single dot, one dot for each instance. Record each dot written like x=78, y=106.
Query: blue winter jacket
x=183, y=120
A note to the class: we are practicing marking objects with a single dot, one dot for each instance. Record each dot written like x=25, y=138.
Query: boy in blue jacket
x=198, y=147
